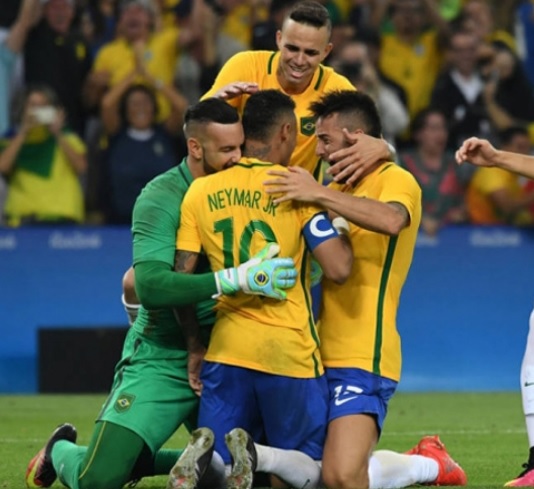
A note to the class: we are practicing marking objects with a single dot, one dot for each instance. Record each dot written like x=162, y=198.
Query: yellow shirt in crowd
x=161, y=53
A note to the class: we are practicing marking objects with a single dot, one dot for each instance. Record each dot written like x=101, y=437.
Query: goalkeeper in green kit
x=151, y=396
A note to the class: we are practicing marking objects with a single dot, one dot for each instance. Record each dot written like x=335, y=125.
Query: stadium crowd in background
x=471, y=59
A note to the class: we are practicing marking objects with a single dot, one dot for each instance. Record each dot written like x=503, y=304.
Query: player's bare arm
x=298, y=184
x=350, y=163
x=186, y=262
x=335, y=257
x=481, y=152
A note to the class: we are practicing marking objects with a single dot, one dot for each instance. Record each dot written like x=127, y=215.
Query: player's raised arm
x=480, y=152
x=297, y=184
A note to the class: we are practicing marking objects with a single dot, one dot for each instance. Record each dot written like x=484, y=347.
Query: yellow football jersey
x=231, y=218
x=260, y=67
x=357, y=321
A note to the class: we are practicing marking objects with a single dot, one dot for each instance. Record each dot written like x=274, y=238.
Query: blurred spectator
x=138, y=41
x=197, y=67
x=353, y=62
x=139, y=148
x=479, y=18
x=98, y=24
x=459, y=91
x=447, y=9
x=508, y=94
x=10, y=49
x=43, y=161
x=412, y=54
x=359, y=15
x=436, y=171
x=496, y=196
x=371, y=38
x=524, y=35
x=342, y=30
x=235, y=21
x=237, y=18
x=264, y=32
x=57, y=56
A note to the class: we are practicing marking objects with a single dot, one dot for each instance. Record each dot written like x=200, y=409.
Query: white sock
x=527, y=382
x=215, y=475
x=295, y=468
x=392, y=470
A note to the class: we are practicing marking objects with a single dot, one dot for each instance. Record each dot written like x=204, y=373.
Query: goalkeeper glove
x=261, y=275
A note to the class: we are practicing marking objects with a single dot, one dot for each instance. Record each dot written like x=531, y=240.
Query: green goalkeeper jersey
x=155, y=222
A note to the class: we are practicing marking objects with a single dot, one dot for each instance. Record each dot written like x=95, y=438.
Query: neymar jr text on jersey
x=247, y=198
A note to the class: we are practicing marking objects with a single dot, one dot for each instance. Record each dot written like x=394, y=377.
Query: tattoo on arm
x=402, y=211
x=185, y=261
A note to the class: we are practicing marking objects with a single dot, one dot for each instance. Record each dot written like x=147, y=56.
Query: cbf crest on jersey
x=307, y=126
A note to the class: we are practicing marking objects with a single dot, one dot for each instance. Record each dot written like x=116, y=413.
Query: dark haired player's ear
x=194, y=148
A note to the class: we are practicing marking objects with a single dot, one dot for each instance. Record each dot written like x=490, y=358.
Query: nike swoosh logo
x=339, y=402
x=528, y=384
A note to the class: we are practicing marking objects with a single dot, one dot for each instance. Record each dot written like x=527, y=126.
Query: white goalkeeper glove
x=263, y=275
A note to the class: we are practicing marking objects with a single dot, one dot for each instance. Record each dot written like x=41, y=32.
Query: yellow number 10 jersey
x=231, y=218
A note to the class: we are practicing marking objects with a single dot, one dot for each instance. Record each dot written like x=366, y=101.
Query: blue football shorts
x=278, y=411
x=356, y=391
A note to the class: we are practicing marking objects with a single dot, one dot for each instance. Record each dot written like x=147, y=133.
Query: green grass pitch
x=484, y=432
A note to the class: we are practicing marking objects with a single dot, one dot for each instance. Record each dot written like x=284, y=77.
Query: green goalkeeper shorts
x=150, y=394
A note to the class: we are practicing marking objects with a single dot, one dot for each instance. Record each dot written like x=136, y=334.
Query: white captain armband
x=319, y=229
